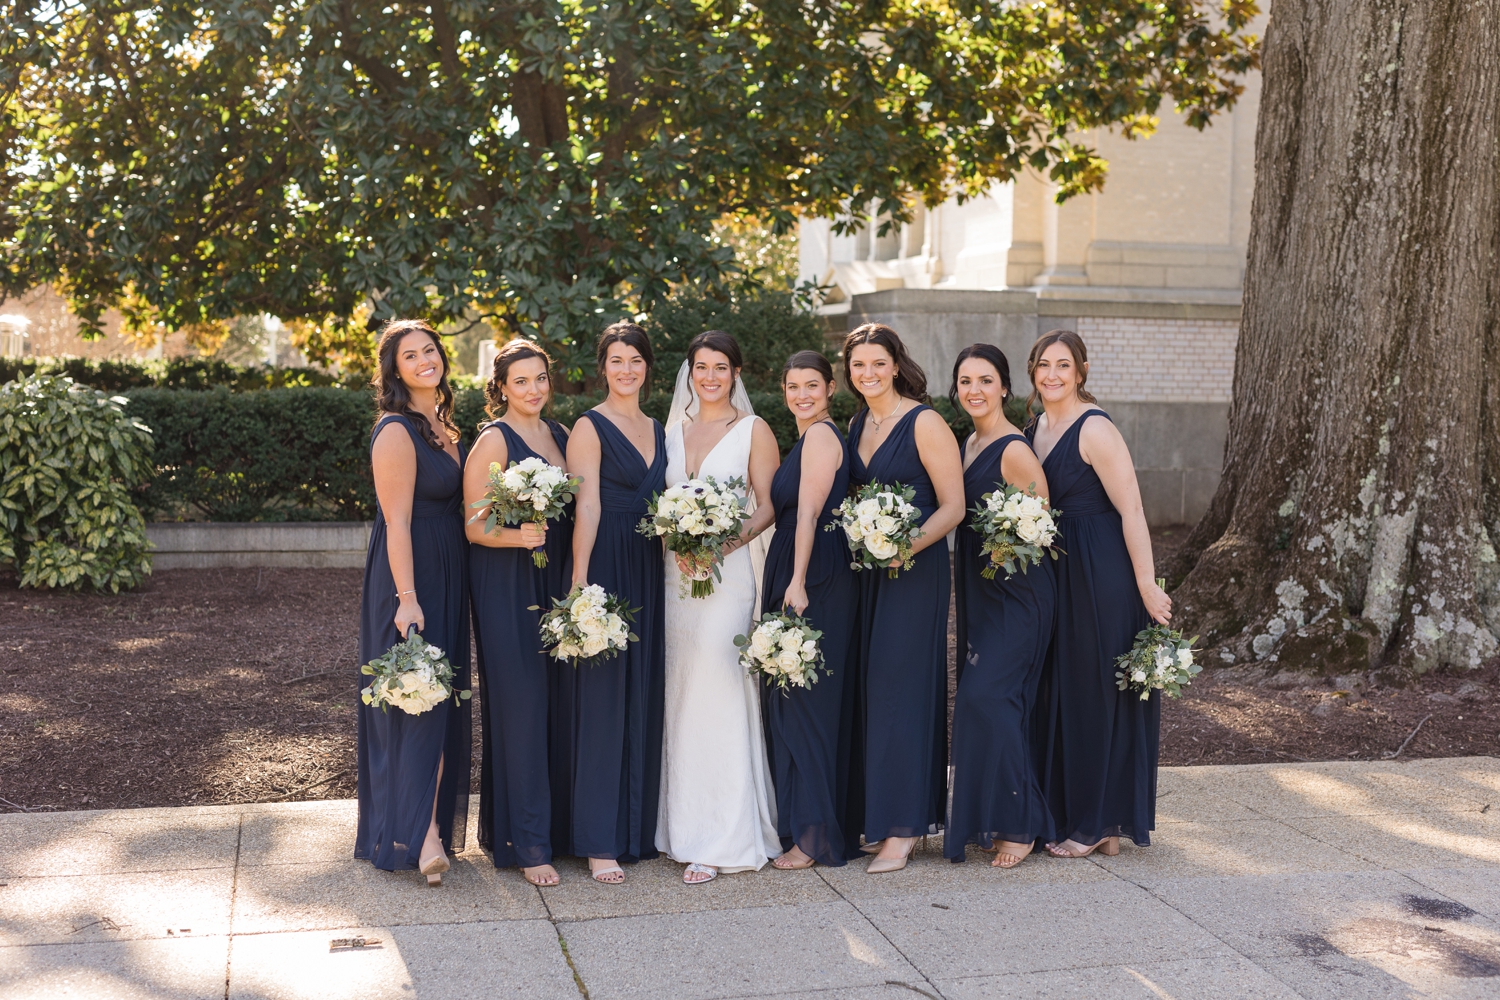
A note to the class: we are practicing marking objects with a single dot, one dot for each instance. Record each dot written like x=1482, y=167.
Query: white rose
x=791, y=639
x=692, y=524
x=434, y=652
x=855, y=532
x=1184, y=658
x=810, y=650
x=594, y=645
x=1028, y=531
x=1139, y=676
x=568, y=651
x=886, y=525
x=881, y=547
x=591, y=625
x=761, y=642
x=788, y=661
x=868, y=509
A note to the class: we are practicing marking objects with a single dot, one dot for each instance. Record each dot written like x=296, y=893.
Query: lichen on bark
x=1353, y=525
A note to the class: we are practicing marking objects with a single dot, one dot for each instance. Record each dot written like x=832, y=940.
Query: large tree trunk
x=1354, y=528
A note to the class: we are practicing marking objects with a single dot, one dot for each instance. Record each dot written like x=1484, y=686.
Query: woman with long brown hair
x=896, y=438
x=1098, y=768
x=616, y=707
x=515, y=799
x=414, y=769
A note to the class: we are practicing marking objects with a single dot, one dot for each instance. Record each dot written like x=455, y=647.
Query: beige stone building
x=1149, y=272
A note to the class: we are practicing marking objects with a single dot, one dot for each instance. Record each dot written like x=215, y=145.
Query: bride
x=717, y=811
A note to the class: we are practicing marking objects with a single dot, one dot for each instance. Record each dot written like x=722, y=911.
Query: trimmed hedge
x=114, y=375
x=278, y=455
x=302, y=454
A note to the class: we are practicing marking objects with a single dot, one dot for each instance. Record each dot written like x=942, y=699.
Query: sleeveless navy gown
x=399, y=753
x=808, y=731
x=515, y=797
x=1004, y=629
x=901, y=724
x=1098, y=743
x=617, y=705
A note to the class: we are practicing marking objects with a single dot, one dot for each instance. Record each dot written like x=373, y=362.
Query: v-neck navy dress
x=515, y=795
x=808, y=731
x=1004, y=629
x=1099, y=744
x=617, y=704
x=399, y=753
x=903, y=657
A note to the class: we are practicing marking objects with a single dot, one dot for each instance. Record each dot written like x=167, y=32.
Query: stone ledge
x=197, y=545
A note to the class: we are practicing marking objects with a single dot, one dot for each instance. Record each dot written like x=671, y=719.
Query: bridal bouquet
x=696, y=519
x=784, y=648
x=413, y=675
x=1017, y=529
x=530, y=490
x=587, y=623
x=1160, y=660
x=880, y=523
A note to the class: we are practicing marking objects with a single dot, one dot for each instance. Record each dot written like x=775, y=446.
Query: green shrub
x=278, y=455
x=69, y=457
x=114, y=375
x=769, y=327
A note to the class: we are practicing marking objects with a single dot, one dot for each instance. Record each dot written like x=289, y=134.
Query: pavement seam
x=1154, y=895
x=234, y=884
x=562, y=942
x=937, y=994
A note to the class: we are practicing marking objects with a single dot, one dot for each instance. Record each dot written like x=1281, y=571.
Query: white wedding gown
x=716, y=805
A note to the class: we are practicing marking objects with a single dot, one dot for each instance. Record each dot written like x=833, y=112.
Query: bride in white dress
x=717, y=811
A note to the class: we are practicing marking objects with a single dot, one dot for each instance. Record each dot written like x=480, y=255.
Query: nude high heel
x=879, y=866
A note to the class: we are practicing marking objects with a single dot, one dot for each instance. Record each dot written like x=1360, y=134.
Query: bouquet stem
x=703, y=588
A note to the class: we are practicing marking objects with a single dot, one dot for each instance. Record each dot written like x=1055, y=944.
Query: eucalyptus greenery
x=543, y=166
x=69, y=458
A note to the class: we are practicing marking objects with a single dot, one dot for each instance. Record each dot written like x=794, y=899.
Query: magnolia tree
x=542, y=165
x=1356, y=521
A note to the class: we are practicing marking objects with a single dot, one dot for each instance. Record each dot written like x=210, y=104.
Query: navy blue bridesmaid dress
x=901, y=725
x=399, y=753
x=808, y=731
x=1098, y=744
x=515, y=795
x=1004, y=629
x=617, y=704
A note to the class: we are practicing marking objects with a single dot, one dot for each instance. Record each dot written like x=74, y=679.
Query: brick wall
x=1160, y=360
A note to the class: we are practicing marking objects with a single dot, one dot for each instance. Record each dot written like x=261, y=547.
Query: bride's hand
x=686, y=565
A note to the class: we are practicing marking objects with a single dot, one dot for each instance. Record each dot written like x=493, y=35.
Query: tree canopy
x=545, y=165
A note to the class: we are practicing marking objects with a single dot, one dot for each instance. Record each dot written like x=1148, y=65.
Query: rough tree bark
x=1356, y=522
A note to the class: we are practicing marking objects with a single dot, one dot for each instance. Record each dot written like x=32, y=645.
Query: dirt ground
x=224, y=686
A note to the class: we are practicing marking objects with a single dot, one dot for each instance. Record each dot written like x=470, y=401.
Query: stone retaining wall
x=301, y=545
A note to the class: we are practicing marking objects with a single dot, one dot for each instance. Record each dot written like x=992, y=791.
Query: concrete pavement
x=1336, y=880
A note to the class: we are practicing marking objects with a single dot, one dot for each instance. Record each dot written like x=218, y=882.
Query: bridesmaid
x=807, y=570
x=1098, y=766
x=414, y=769
x=621, y=453
x=1004, y=628
x=903, y=649
x=515, y=800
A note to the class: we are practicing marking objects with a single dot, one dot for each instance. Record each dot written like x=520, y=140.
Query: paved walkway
x=1339, y=881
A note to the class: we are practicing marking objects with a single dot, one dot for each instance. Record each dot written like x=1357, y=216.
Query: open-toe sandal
x=697, y=869
x=541, y=881
x=792, y=866
x=611, y=870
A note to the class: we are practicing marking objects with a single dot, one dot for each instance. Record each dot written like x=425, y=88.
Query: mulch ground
x=228, y=686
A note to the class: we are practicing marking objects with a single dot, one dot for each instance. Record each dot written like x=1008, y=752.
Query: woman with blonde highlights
x=896, y=438
x=515, y=799
x=1099, y=744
